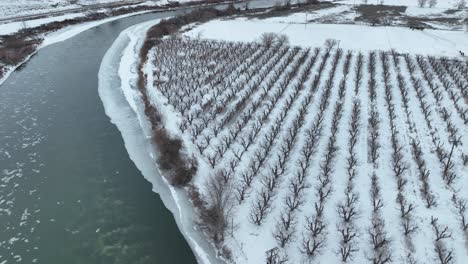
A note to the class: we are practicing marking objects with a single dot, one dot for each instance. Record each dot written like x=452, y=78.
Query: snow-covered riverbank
x=122, y=103
x=64, y=34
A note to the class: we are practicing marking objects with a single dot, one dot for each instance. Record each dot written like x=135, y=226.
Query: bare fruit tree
x=461, y=4
x=216, y=215
x=268, y=39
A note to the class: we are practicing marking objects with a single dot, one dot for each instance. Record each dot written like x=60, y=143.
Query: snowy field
x=13, y=27
x=412, y=3
x=354, y=37
x=332, y=13
x=11, y=8
x=325, y=155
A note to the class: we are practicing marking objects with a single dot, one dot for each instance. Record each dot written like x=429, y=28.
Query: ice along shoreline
x=117, y=80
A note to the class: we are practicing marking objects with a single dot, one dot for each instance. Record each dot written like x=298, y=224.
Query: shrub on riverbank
x=179, y=171
x=14, y=50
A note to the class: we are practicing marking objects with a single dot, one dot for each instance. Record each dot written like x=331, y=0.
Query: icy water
x=68, y=191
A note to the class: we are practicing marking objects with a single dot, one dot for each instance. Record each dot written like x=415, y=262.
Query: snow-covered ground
x=437, y=17
x=413, y=3
x=12, y=27
x=355, y=37
x=12, y=8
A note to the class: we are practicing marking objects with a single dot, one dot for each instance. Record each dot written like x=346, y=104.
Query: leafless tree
x=461, y=4
x=283, y=40
x=330, y=43
x=215, y=216
x=274, y=256
x=268, y=39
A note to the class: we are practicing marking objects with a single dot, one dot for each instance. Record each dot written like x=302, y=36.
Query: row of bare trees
x=416, y=150
x=348, y=207
x=315, y=236
x=285, y=228
x=399, y=166
x=378, y=237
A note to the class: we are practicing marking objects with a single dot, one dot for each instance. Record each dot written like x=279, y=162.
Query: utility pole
x=305, y=24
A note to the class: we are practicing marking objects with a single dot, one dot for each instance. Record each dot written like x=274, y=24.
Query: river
x=69, y=193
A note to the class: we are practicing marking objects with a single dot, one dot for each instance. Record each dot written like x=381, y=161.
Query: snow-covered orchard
x=321, y=153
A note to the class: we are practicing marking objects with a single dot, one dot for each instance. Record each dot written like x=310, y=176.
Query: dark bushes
x=171, y=158
x=14, y=50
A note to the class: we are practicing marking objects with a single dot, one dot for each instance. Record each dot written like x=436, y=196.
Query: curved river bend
x=69, y=192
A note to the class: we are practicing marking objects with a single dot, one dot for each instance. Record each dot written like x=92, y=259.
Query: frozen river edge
x=117, y=77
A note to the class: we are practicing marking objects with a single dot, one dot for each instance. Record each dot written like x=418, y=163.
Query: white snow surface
x=9, y=28
x=353, y=37
x=12, y=8
x=413, y=3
